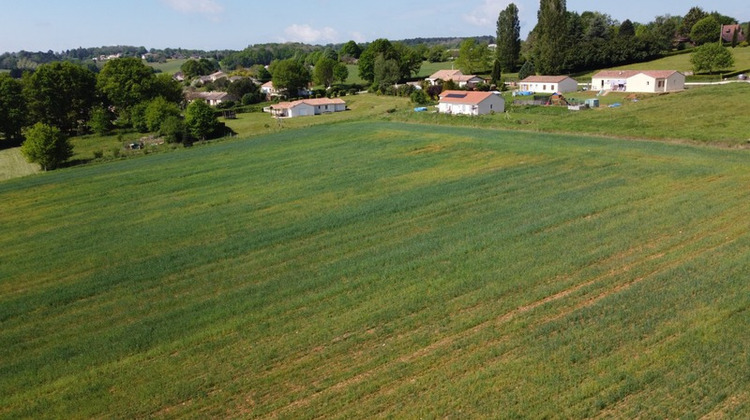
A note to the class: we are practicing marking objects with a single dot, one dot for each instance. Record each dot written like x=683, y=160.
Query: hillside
x=381, y=269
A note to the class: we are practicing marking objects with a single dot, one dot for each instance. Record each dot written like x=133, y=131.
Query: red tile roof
x=464, y=97
x=311, y=102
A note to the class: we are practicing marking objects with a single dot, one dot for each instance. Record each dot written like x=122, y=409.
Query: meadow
x=13, y=164
x=381, y=269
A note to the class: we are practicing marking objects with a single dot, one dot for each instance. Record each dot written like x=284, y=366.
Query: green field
x=13, y=164
x=170, y=67
x=381, y=269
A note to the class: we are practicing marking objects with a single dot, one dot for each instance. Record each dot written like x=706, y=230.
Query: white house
x=212, y=98
x=652, y=81
x=470, y=103
x=306, y=107
x=548, y=84
x=462, y=80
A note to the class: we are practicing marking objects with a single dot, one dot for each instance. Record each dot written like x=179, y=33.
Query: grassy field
x=13, y=164
x=170, y=67
x=380, y=269
x=681, y=63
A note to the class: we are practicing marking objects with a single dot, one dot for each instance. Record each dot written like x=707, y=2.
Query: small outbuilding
x=461, y=80
x=548, y=84
x=470, y=103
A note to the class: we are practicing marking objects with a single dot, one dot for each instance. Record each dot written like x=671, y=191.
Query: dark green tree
x=526, y=70
x=351, y=49
x=60, y=94
x=627, y=30
x=549, y=50
x=691, y=18
x=409, y=60
x=341, y=72
x=508, y=38
x=379, y=47
x=387, y=73
x=126, y=82
x=711, y=57
x=168, y=88
x=243, y=87
x=202, y=67
x=706, y=30
x=497, y=72
x=172, y=129
x=12, y=107
x=290, y=75
x=323, y=74
x=101, y=119
x=46, y=145
x=200, y=120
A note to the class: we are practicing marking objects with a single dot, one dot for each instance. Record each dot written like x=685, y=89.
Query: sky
x=57, y=25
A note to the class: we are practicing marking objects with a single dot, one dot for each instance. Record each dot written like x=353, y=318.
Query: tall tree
x=691, y=18
x=549, y=51
x=376, y=48
x=290, y=75
x=508, y=38
x=351, y=49
x=200, y=120
x=706, y=30
x=60, y=94
x=323, y=72
x=627, y=30
x=12, y=107
x=126, y=82
x=46, y=145
x=473, y=56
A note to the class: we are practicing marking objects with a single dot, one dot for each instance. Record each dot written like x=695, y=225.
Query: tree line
x=61, y=99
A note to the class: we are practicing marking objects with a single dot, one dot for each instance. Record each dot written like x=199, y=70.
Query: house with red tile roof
x=728, y=31
x=649, y=81
x=470, y=103
x=548, y=84
x=461, y=80
x=306, y=107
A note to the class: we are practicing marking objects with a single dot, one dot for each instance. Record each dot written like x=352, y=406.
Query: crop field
x=172, y=66
x=381, y=269
x=13, y=164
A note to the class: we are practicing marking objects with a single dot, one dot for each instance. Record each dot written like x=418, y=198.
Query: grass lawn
x=170, y=67
x=13, y=164
x=381, y=269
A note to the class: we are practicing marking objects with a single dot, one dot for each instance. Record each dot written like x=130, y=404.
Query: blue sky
x=41, y=25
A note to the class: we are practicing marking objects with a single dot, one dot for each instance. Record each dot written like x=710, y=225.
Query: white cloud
x=310, y=35
x=207, y=7
x=485, y=15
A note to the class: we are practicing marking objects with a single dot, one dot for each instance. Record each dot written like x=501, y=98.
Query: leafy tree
x=46, y=145
x=341, y=72
x=202, y=67
x=323, y=73
x=473, y=56
x=245, y=87
x=419, y=97
x=387, y=72
x=508, y=38
x=706, y=30
x=126, y=82
x=379, y=47
x=549, y=51
x=159, y=110
x=409, y=60
x=168, y=88
x=627, y=30
x=436, y=54
x=172, y=129
x=60, y=94
x=711, y=57
x=526, y=70
x=691, y=18
x=200, y=120
x=351, y=49
x=12, y=107
x=101, y=120
x=290, y=75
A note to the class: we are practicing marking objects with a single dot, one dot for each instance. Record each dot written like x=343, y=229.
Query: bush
x=419, y=97
x=173, y=130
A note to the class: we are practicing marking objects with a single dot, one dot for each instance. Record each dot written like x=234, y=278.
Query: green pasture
x=172, y=66
x=381, y=269
x=681, y=62
x=13, y=164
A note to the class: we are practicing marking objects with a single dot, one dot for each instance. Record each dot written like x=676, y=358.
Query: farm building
x=653, y=81
x=548, y=84
x=470, y=103
x=306, y=107
x=462, y=80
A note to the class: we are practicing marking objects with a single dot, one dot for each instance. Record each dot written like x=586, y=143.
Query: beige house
x=548, y=84
x=470, y=103
x=651, y=81
x=461, y=80
x=211, y=98
x=306, y=107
